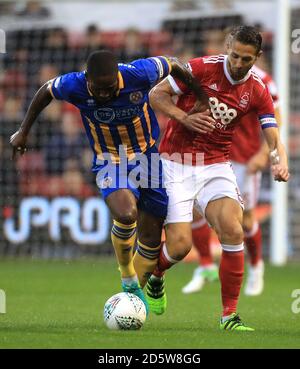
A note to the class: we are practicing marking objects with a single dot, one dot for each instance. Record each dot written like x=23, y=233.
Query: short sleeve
x=151, y=70
x=196, y=67
x=61, y=86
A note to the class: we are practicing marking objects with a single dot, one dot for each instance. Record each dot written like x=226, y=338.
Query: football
x=124, y=311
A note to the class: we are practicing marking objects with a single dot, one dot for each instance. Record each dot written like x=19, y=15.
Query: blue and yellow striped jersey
x=127, y=119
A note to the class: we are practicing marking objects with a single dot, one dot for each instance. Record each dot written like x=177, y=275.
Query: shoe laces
x=236, y=318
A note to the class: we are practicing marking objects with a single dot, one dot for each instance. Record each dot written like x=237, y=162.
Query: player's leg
x=253, y=241
x=123, y=207
x=148, y=245
x=206, y=270
x=178, y=245
x=153, y=207
x=201, y=238
x=230, y=233
x=146, y=257
x=253, y=237
x=178, y=229
x=249, y=185
x=222, y=205
x=181, y=190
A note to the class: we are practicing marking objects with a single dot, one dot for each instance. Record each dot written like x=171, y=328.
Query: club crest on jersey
x=244, y=100
x=136, y=97
x=220, y=111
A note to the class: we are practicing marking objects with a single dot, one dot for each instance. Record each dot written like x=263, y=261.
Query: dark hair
x=101, y=63
x=247, y=35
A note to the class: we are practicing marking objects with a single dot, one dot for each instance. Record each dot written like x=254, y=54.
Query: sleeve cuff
x=49, y=87
x=174, y=85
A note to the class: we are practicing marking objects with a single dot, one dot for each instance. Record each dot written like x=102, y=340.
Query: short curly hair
x=101, y=63
x=247, y=35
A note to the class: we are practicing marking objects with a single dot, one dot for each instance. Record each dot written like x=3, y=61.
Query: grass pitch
x=57, y=304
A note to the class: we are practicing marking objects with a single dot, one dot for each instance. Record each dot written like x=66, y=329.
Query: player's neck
x=229, y=76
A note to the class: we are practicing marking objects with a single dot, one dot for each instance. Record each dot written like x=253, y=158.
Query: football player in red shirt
x=248, y=155
x=196, y=163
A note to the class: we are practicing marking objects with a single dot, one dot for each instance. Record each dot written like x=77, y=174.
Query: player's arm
x=277, y=153
x=260, y=160
x=182, y=73
x=40, y=100
x=266, y=115
x=161, y=99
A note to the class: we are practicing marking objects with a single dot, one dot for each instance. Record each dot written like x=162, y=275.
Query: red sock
x=201, y=241
x=164, y=262
x=231, y=277
x=253, y=241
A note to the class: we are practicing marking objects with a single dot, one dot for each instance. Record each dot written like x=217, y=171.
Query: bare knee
x=225, y=215
x=126, y=217
x=122, y=205
x=179, y=245
x=230, y=232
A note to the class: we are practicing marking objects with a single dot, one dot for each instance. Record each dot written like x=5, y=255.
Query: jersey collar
x=227, y=74
x=120, y=83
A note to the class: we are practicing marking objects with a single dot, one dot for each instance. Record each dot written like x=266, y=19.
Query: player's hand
x=280, y=172
x=18, y=142
x=257, y=163
x=200, y=122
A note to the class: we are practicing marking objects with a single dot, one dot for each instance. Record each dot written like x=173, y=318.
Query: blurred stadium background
x=56, y=264
x=50, y=206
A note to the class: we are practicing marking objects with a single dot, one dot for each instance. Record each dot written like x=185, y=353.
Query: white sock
x=226, y=317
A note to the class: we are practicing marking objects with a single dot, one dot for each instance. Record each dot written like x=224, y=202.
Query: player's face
x=241, y=58
x=104, y=88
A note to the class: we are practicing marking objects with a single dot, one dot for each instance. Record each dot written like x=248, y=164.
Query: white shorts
x=249, y=184
x=189, y=185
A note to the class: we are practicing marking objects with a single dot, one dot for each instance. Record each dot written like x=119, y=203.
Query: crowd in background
x=58, y=160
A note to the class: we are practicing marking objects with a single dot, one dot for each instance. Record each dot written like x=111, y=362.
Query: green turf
x=56, y=304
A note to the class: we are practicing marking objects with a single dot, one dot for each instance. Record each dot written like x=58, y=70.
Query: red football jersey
x=247, y=137
x=229, y=101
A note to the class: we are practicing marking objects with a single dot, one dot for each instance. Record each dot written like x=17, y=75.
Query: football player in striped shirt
x=122, y=129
